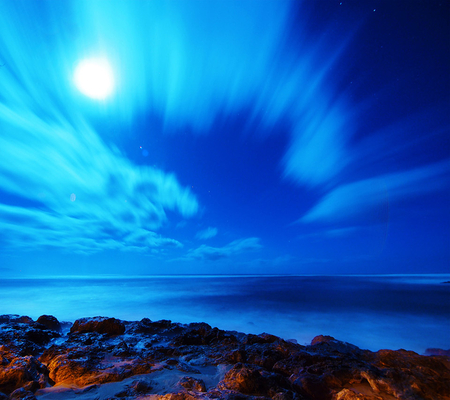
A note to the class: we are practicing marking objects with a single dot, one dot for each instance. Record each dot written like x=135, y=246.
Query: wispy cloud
x=206, y=233
x=223, y=56
x=75, y=192
x=216, y=253
x=359, y=199
x=318, y=150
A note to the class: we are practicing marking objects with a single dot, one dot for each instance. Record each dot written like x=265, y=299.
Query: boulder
x=38, y=336
x=50, y=322
x=23, y=371
x=140, y=386
x=437, y=352
x=244, y=379
x=190, y=383
x=10, y=318
x=22, y=394
x=110, y=326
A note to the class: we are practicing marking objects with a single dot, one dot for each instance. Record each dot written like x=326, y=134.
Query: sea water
x=373, y=312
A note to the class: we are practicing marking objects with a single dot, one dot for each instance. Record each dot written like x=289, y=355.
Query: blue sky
x=240, y=137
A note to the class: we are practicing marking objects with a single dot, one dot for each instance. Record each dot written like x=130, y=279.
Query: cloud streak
x=77, y=193
x=359, y=199
x=207, y=233
x=208, y=253
x=223, y=56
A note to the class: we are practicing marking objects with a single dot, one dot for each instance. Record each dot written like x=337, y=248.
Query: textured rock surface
x=106, y=358
x=110, y=326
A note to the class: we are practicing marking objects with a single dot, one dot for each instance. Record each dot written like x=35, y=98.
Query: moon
x=94, y=78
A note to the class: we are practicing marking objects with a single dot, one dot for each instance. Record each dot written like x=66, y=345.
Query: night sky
x=238, y=137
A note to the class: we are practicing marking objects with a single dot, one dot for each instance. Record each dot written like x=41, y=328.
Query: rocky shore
x=106, y=358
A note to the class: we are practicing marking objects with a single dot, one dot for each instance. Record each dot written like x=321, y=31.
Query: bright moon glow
x=94, y=78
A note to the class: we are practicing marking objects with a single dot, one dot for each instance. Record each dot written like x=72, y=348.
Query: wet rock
x=32, y=386
x=437, y=352
x=140, y=386
x=405, y=373
x=322, y=339
x=263, y=338
x=49, y=322
x=329, y=345
x=38, y=336
x=122, y=350
x=24, y=335
x=109, y=326
x=348, y=394
x=20, y=372
x=101, y=350
x=311, y=386
x=181, y=366
x=244, y=379
x=190, y=383
x=63, y=369
x=14, y=318
x=179, y=396
x=22, y=394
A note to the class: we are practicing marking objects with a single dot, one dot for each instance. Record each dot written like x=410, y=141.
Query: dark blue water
x=373, y=312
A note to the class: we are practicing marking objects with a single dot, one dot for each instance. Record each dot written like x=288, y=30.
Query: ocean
x=373, y=312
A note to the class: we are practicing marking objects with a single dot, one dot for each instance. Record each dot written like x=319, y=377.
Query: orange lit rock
x=22, y=371
x=173, y=361
x=190, y=383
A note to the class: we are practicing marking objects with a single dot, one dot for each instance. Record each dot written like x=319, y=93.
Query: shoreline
x=94, y=357
x=372, y=313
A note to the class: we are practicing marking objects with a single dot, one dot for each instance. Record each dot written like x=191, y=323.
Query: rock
x=190, y=383
x=64, y=370
x=237, y=366
x=38, y=336
x=32, y=386
x=348, y=394
x=437, y=352
x=322, y=339
x=406, y=373
x=20, y=372
x=311, y=386
x=140, y=386
x=263, y=338
x=245, y=379
x=23, y=334
x=50, y=322
x=10, y=318
x=22, y=394
x=110, y=326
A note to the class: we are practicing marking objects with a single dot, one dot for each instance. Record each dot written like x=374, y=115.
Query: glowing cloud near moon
x=94, y=78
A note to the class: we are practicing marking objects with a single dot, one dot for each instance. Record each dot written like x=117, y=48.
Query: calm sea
x=372, y=312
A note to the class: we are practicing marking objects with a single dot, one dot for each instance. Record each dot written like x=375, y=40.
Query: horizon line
x=119, y=276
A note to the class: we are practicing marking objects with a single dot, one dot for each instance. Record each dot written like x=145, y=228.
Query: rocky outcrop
x=106, y=358
x=109, y=326
x=50, y=322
